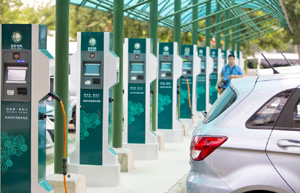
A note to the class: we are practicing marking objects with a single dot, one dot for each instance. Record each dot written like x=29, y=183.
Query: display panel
x=202, y=65
x=187, y=66
x=166, y=66
x=16, y=75
x=137, y=67
x=92, y=69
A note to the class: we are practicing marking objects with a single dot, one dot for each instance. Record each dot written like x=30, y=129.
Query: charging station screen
x=92, y=69
x=16, y=74
x=137, y=67
x=202, y=65
x=187, y=65
x=166, y=66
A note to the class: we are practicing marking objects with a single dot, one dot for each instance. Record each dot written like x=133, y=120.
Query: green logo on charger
x=11, y=145
x=92, y=41
x=16, y=37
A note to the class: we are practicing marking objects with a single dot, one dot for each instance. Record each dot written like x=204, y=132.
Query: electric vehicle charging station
x=225, y=54
x=203, y=79
x=24, y=83
x=218, y=63
x=170, y=70
x=241, y=60
x=237, y=61
x=190, y=70
x=94, y=72
x=140, y=70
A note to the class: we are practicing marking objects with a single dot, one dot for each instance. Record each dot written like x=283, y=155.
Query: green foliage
x=293, y=11
x=9, y=10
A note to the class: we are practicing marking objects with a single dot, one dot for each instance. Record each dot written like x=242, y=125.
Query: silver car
x=250, y=139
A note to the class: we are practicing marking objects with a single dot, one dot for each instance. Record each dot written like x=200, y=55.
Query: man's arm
x=235, y=76
x=239, y=75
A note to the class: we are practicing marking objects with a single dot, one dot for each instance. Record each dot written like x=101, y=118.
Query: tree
x=292, y=8
x=9, y=10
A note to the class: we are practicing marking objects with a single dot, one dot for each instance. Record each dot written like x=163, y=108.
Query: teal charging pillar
x=94, y=73
x=169, y=71
x=190, y=70
x=24, y=82
x=203, y=79
x=218, y=63
x=140, y=70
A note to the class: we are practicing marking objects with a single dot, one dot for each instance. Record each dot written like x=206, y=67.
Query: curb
x=179, y=187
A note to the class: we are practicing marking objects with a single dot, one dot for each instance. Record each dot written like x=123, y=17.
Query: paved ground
x=166, y=174
x=157, y=176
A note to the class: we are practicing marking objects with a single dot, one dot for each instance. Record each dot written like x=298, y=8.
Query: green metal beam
x=261, y=28
x=153, y=35
x=137, y=5
x=118, y=89
x=218, y=20
x=226, y=20
x=237, y=12
x=61, y=80
x=232, y=26
x=98, y=4
x=247, y=27
x=238, y=41
x=208, y=23
x=227, y=16
x=232, y=40
x=215, y=13
x=177, y=38
x=254, y=35
x=260, y=35
x=182, y=10
x=195, y=25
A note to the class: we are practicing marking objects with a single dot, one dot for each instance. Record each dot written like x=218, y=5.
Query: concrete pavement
x=166, y=174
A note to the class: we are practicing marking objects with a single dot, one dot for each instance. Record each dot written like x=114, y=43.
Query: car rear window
x=225, y=100
x=267, y=115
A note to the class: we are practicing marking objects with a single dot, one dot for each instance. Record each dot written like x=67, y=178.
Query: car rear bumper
x=203, y=179
x=198, y=183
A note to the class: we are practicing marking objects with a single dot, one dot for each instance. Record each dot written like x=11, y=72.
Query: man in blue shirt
x=230, y=71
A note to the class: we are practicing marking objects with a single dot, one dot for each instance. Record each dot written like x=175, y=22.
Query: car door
x=283, y=146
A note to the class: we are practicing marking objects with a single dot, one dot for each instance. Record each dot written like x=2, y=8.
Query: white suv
x=250, y=139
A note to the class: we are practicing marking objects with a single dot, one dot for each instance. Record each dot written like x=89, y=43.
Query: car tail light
x=203, y=146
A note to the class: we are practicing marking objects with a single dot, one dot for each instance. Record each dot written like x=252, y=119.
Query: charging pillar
x=24, y=81
x=235, y=53
x=94, y=72
x=225, y=54
x=190, y=70
x=203, y=79
x=241, y=60
x=169, y=70
x=140, y=70
x=218, y=63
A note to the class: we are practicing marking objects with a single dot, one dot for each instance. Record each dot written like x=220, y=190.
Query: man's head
x=231, y=60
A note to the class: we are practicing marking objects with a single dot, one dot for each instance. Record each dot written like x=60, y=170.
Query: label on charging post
x=136, y=113
x=201, y=89
x=165, y=107
x=185, y=112
x=91, y=131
